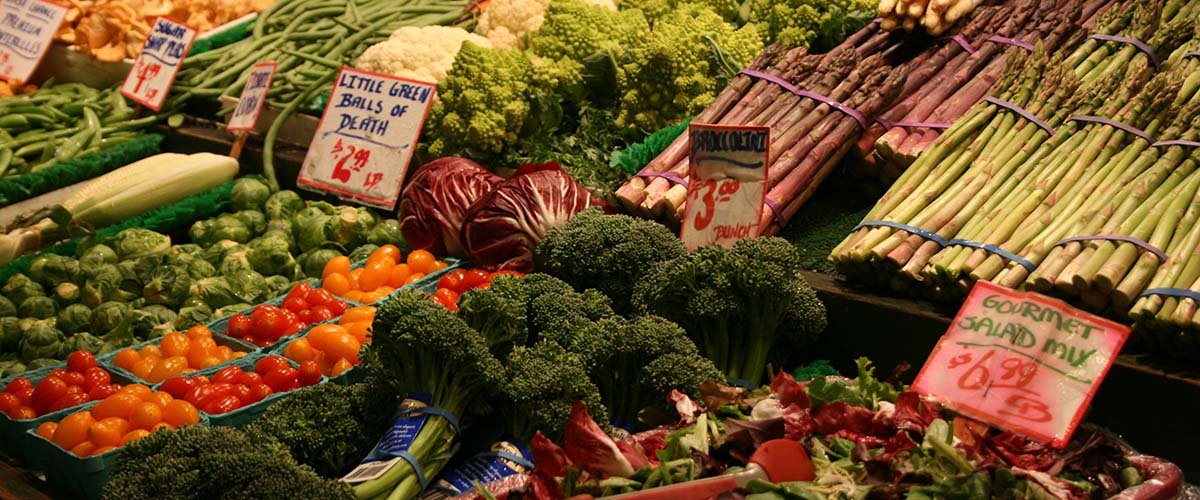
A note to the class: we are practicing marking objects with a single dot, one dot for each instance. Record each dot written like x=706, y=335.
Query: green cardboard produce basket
x=248, y=413
x=106, y=360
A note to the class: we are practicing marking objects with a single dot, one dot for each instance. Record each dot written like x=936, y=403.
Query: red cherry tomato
x=338, y=307
x=103, y=391
x=249, y=378
x=96, y=377
x=268, y=323
x=200, y=392
x=310, y=373
x=79, y=361
x=475, y=278
x=222, y=404
x=49, y=390
x=242, y=392
x=321, y=297
x=300, y=291
x=76, y=389
x=26, y=396
x=282, y=379
x=9, y=402
x=17, y=385
x=57, y=372
x=321, y=313
x=446, y=297
x=453, y=280
x=294, y=304
x=270, y=364
x=179, y=387
x=23, y=413
x=239, y=326
x=227, y=375
x=68, y=401
x=74, y=378
x=258, y=392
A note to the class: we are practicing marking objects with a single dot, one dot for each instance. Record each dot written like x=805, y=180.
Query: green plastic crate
x=248, y=413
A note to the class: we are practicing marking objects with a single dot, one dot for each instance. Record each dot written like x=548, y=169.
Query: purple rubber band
x=1113, y=123
x=665, y=175
x=1162, y=256
x=929, y=125
x=775, y=212
x=1177, y=142
x=1131, y=41
x=1021, y=111
x=852, y=113
x=1011, y=41
x=1194, y=53
x=962, y=42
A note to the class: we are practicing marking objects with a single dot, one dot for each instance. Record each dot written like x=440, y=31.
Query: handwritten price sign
x=726, y=185
x=366, y=137
x=1022, y=361
x=154, y=70
x=26, y=29
x=254, y=95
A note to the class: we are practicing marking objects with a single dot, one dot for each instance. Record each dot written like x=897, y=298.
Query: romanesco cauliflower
x=804, y=22
x=576, y=29
x=484, y=102
x=676, y=69
x=507, y=22
x=421, y=53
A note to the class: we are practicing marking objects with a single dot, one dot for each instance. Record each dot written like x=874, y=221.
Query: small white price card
x=366, y=137
x=726, y=184
x=153, y=72
x=26, y=29
x=1022, y=362
x=254, y=95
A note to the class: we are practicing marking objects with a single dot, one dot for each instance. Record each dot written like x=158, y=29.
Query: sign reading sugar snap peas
x=1022, y=361
x=27, y=28
x=366, y=137
x=153, y=72
x=726, y=185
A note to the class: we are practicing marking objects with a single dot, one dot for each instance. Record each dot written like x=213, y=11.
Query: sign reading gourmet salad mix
x=153, y=72
x=1022, y=361
x=726, y=184
x=26, y=29
x=366, y=137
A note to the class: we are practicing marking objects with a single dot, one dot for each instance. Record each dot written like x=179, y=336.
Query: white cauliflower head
x=419, y=53
x=506, y=22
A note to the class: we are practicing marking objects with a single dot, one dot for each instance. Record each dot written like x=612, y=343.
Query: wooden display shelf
x=1144, y=399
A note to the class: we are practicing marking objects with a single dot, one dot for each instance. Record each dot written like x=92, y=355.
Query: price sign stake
x=1022, y=362
x=250, y=104
x=366, y=137
x=726, y=184
x=27, y=28
x=153, y=72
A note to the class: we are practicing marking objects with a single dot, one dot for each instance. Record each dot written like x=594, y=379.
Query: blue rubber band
x=509, y=456
x=415, y=465
x=1173, y=292
x=433, y=410
x=934, y=237
x=987, y=247
x=745, y=384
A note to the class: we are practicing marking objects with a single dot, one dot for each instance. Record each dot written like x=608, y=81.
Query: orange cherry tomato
x=413, y=278
x=139, y=390
x=83, y=449
x=374, y=275
x=179, y=413
x=358, y=314
x=134, y=435
x=355, y=295
x=361, y=331
x=108, y=431
x=337, y=284
x=335, y=342
x=159, y=398
x=151, y=351
x=421, y=261
x=126, y=359
x=356, y=279
x=336, y=265
x=47, y=429
x=223, y=353
x=142, y=368
x=300, y=350
x=340, y=367
x=175, y=344
x=146, y=416
x=119, y=405
x=167, y=368
x=398, y=275
x=73, y=430
x=438, y=266
x=198, y=331
x=102, y=450
x=386, y=251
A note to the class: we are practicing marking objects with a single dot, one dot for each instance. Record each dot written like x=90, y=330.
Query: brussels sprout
x=312, y=233
x=312, y=263
x=108, y=316
x=83, y=341
x=194, y=266
x=349, y=226
x=386, y=233
x=235, y=262
x=169, y=285
x=270, y=256
x=42, y=363
x=10, y=334
x=66, y=293
x=215, y=292
x=37, y=307
x=19, y=287
x=213, y=254
x=192, y=316
x=192, y=300
x=25, y=324
x=230, y=310
x=12, y=367
x=136, y=242
x=97, y=255
x=102, y=285
x=42, y=340
x=250, y=286
x=224, y=227
x=284, y=225
x=283, y=204
x=361, y=253
x=187, y=249
x=153, y=321
x=136, y=273
x=74, y=318
x=249, y=194
x=50, y=269
x=253, y=219
x=276, y=285
x=7, y=308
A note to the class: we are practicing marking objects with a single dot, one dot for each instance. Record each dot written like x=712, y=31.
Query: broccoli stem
x=436, y=431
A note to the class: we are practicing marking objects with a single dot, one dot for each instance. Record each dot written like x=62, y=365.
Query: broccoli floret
x=327, y=426
x=556, y=317
x=505, y=315
x=484, y=102
x=544, y=381
x=735, y=303
x=668, y=73
x=606, y=252
x=213, y=462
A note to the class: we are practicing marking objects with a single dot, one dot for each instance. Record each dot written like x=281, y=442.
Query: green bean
x=6, y=158
x=273, y=132
x=315, y=59
x=92, y=121
x=74, y=144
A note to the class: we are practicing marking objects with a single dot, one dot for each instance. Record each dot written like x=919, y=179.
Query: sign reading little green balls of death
x=1022, y=361
x=366, y=137
x=26, y=29
x=726, y=184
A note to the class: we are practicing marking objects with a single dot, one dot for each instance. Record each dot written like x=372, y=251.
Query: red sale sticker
x=366, y=137
x=254, y=95
x=27, y=28
x=153, y=72
x=726, y=184
x=1022, y=362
